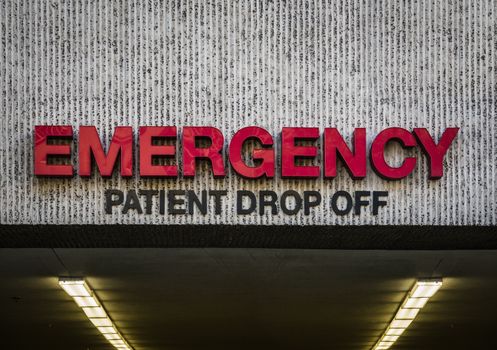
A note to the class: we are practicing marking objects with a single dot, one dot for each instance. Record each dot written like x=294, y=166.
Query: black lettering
x=162, y=202
x=239, y=202
x=298, y=202
x=271, y=202
x=111, y=201
x=218, y=200
x=173, y=201
x=149, y=194
x=132, y=202
x=308, y=204
x=334, y=204
x=377, y=202
x=359, y=202
x=201, y=204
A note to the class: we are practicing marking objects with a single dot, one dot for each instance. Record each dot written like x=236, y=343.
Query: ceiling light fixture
x=86, y=299
x=415, y=300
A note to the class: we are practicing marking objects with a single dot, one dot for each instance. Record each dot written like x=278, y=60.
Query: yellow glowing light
x=415, y=300
x=86, y=299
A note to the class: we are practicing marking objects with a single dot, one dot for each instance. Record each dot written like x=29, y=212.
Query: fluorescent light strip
x=86, y=299
x=415, y=300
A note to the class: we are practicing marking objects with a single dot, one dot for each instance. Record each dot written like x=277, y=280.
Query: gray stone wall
x=231, y=64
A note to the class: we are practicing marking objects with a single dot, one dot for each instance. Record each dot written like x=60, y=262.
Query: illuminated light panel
x=86, y=301
x=94, y=312
x=107, y=330
x=101, y=322
x=85, y=298
x=415, y=300
x=406, y=314
x=395, y=331
x=415, y=303
x=112, y=336
x=75, y=287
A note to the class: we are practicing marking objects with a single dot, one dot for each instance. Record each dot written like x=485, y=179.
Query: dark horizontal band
x=298, y=237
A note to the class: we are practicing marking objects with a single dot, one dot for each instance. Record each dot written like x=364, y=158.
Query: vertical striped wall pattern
x=229, y=64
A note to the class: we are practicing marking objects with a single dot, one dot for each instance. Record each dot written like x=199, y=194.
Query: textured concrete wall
x=230, y=64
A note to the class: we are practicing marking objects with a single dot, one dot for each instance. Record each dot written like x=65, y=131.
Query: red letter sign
x=148, y=151
x=191, y=152
x=334, y=145
x=42, y=150
x=89, y=143
x=289, y=152
x=406, y=139
x=436, y=152
x=266, y=155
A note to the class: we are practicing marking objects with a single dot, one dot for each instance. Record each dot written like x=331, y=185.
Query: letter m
x=89, y=144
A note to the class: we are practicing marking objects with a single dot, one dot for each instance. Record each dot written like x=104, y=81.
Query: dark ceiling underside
x=246, y=299
x=202, y=236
